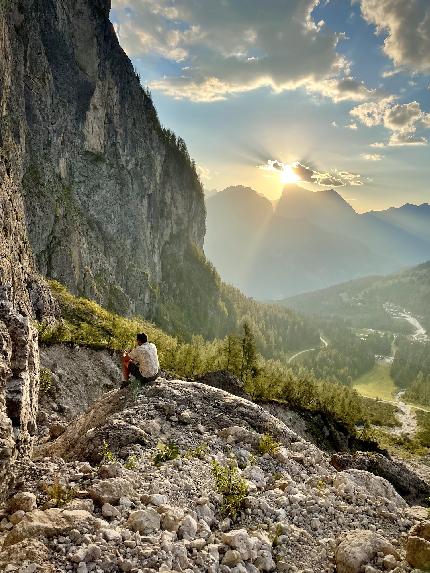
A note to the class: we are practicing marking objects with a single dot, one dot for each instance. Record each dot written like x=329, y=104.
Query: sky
x=325, y=93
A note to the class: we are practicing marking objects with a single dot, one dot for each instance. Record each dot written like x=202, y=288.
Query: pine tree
x=249, y=354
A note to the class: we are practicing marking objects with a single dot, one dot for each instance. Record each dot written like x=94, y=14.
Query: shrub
x=58, y=493
x=108, y=456
x=131, y=462
x=268, y=445
x=279, y=530
x=199, y=451
x=46, y=380
x=165, y=452
x=231, y=486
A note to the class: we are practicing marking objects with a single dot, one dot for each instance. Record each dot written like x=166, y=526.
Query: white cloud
x=372, y=156
x=203, y=172
x=390, y=73
x=402, y=120
x=352, y=125
x=407, y=26
x=401, y=139
x=227, y=48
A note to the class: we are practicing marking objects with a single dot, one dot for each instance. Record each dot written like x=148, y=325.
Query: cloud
x=400, y=139
x=331, y=178
x=407, y=26
x=402, y=119
x=203, y=172
x=371, y=156
x=224, y=48
x=352, y=126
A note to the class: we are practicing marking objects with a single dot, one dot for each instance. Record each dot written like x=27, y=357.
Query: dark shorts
x=134, y=371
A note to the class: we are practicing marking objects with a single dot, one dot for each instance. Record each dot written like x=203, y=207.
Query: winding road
x=406, y=415
x=324, y=344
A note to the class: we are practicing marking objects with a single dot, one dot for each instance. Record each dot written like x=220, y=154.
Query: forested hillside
x=411, y=370
x=361, y=301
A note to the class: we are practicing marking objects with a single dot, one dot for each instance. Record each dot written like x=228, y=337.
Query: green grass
x=377, y=383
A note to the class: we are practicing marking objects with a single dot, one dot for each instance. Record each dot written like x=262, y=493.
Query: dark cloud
x=305, y=173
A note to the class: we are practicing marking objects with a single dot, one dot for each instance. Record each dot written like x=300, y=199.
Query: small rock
x=144, y=521
x=418, y=546
x=81, y=504
x=109, y=510
x=107, y=471
x=56, y=429
x=188, y=528
x=231, y=558
x=389, y=562
x=239, y=539
x=17, y=516
x=85, y=468
x=158, y=499
x=24, y=501
x=111, y=490
x=360, y=547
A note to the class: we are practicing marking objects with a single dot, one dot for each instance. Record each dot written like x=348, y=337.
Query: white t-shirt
x=146, y=357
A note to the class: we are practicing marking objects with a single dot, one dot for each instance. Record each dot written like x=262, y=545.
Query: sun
x=288, y=175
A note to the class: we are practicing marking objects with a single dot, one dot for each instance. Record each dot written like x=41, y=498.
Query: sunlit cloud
x=330, y=178
x=407, y=26
x=372, y=156
x=226, y=48
x=402, y=119
x=203, y=172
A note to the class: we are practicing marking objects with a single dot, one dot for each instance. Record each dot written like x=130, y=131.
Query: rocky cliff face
x=108, y=193
x=22, y=292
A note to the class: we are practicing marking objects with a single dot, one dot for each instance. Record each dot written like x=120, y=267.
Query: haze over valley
x=308, y=240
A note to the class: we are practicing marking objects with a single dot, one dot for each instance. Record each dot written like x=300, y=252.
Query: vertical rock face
x=91, y=186
x=22, y=292
x=109, y=195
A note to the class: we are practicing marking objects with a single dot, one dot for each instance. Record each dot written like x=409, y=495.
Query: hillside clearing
x=377, y=383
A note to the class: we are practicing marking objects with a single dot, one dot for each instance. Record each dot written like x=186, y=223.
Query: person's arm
x=133, y=354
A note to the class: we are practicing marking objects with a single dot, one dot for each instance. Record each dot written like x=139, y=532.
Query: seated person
x=141, y=362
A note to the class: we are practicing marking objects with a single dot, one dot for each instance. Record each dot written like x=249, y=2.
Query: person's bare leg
x=125, y=361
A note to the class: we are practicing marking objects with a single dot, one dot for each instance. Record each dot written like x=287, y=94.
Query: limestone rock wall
x=23, y=293
x=108, y=193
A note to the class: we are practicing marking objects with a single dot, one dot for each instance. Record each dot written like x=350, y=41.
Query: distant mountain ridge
x=308, y=240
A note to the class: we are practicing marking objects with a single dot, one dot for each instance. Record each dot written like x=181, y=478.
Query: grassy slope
x=377, y=383
x=85, y=323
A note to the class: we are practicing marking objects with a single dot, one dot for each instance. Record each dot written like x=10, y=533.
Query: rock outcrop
x=112, y=199
x=155, y=509
x=409, y=485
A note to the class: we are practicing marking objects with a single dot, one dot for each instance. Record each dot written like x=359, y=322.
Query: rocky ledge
x=107, y=496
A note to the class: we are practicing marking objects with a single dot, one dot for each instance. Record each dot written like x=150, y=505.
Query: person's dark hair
x=142, y=338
